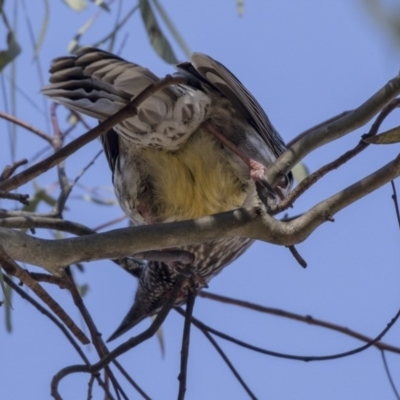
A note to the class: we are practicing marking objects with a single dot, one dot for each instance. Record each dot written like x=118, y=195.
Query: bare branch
x=396, y=203
x=253, y=223
x=52, y=318
x=297, y=317
x=336, y=129
x=26, y=126
x=257, y=349
x=185, y=343
x=297, y=256
x=395, y=392
x=310, y=180
x=10, y=169
x=97, y=340
x=12, y=268
x=130, y=380
x=224, y=357
x=148, y=333
x=22, y=198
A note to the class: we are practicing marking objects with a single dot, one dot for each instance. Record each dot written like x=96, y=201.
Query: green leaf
x=96, y=200
x=389, y=137
x=157, y=38
x=83, y=289
x=74, y=43
x=300, y=171
x=72, y=119
x=174, y=32
x=39, y=196
x=12, y=52
x=76, y=5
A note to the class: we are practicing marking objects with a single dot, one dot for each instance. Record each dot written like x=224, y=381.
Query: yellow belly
x=195, y=181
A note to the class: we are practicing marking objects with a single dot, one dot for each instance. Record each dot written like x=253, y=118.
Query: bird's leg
x=264, y=189
x=190, y=272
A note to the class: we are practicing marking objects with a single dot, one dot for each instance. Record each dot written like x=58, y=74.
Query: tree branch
x=337, y=128
x=254, y=223
x=297, y=317
x=12, y=268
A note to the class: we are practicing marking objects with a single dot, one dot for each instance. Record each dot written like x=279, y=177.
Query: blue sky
x=304, y=62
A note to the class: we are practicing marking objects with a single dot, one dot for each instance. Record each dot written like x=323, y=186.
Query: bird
x=193, y=150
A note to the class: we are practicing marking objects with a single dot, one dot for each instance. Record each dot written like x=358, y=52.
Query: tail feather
x=134, y=316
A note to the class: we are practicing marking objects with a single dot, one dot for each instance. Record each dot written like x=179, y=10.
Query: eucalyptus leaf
x=12, y=52
x=300, y=172
x=73, y=45
x=76, y=5
x=157, y=38
x=172, y=28
x=389, y=137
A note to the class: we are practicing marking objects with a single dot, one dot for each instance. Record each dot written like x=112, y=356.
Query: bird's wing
x=98, y=83
x=215, y=74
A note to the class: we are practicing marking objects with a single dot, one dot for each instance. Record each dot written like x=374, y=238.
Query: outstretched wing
x=99, y=84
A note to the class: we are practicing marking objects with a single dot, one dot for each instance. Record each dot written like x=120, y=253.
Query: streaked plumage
x=169, y=162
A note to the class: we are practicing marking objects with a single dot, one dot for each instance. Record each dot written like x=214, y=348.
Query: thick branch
x=253, y=223
x=326, y=133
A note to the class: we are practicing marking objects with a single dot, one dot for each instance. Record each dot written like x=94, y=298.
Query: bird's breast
x=201, y=178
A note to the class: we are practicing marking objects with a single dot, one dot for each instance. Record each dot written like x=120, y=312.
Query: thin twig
x=110, y=223
x=130, y=380
x=395, y=201
x=395, y=392
x=327, y=133
x=47, y=223
x=297, y=317
x=61, y=282
x=10, y=169
x=97, y=340
x=52, y=318
x=26, y=126
x=310, y=180
x=57, y=144
x=191, y=297
x=224, y=357
x=297, y=256
x=257, y=349
x=46, y=313
x=129, y=344
x=90, y=387
x=22, y=198
x=12, y=268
